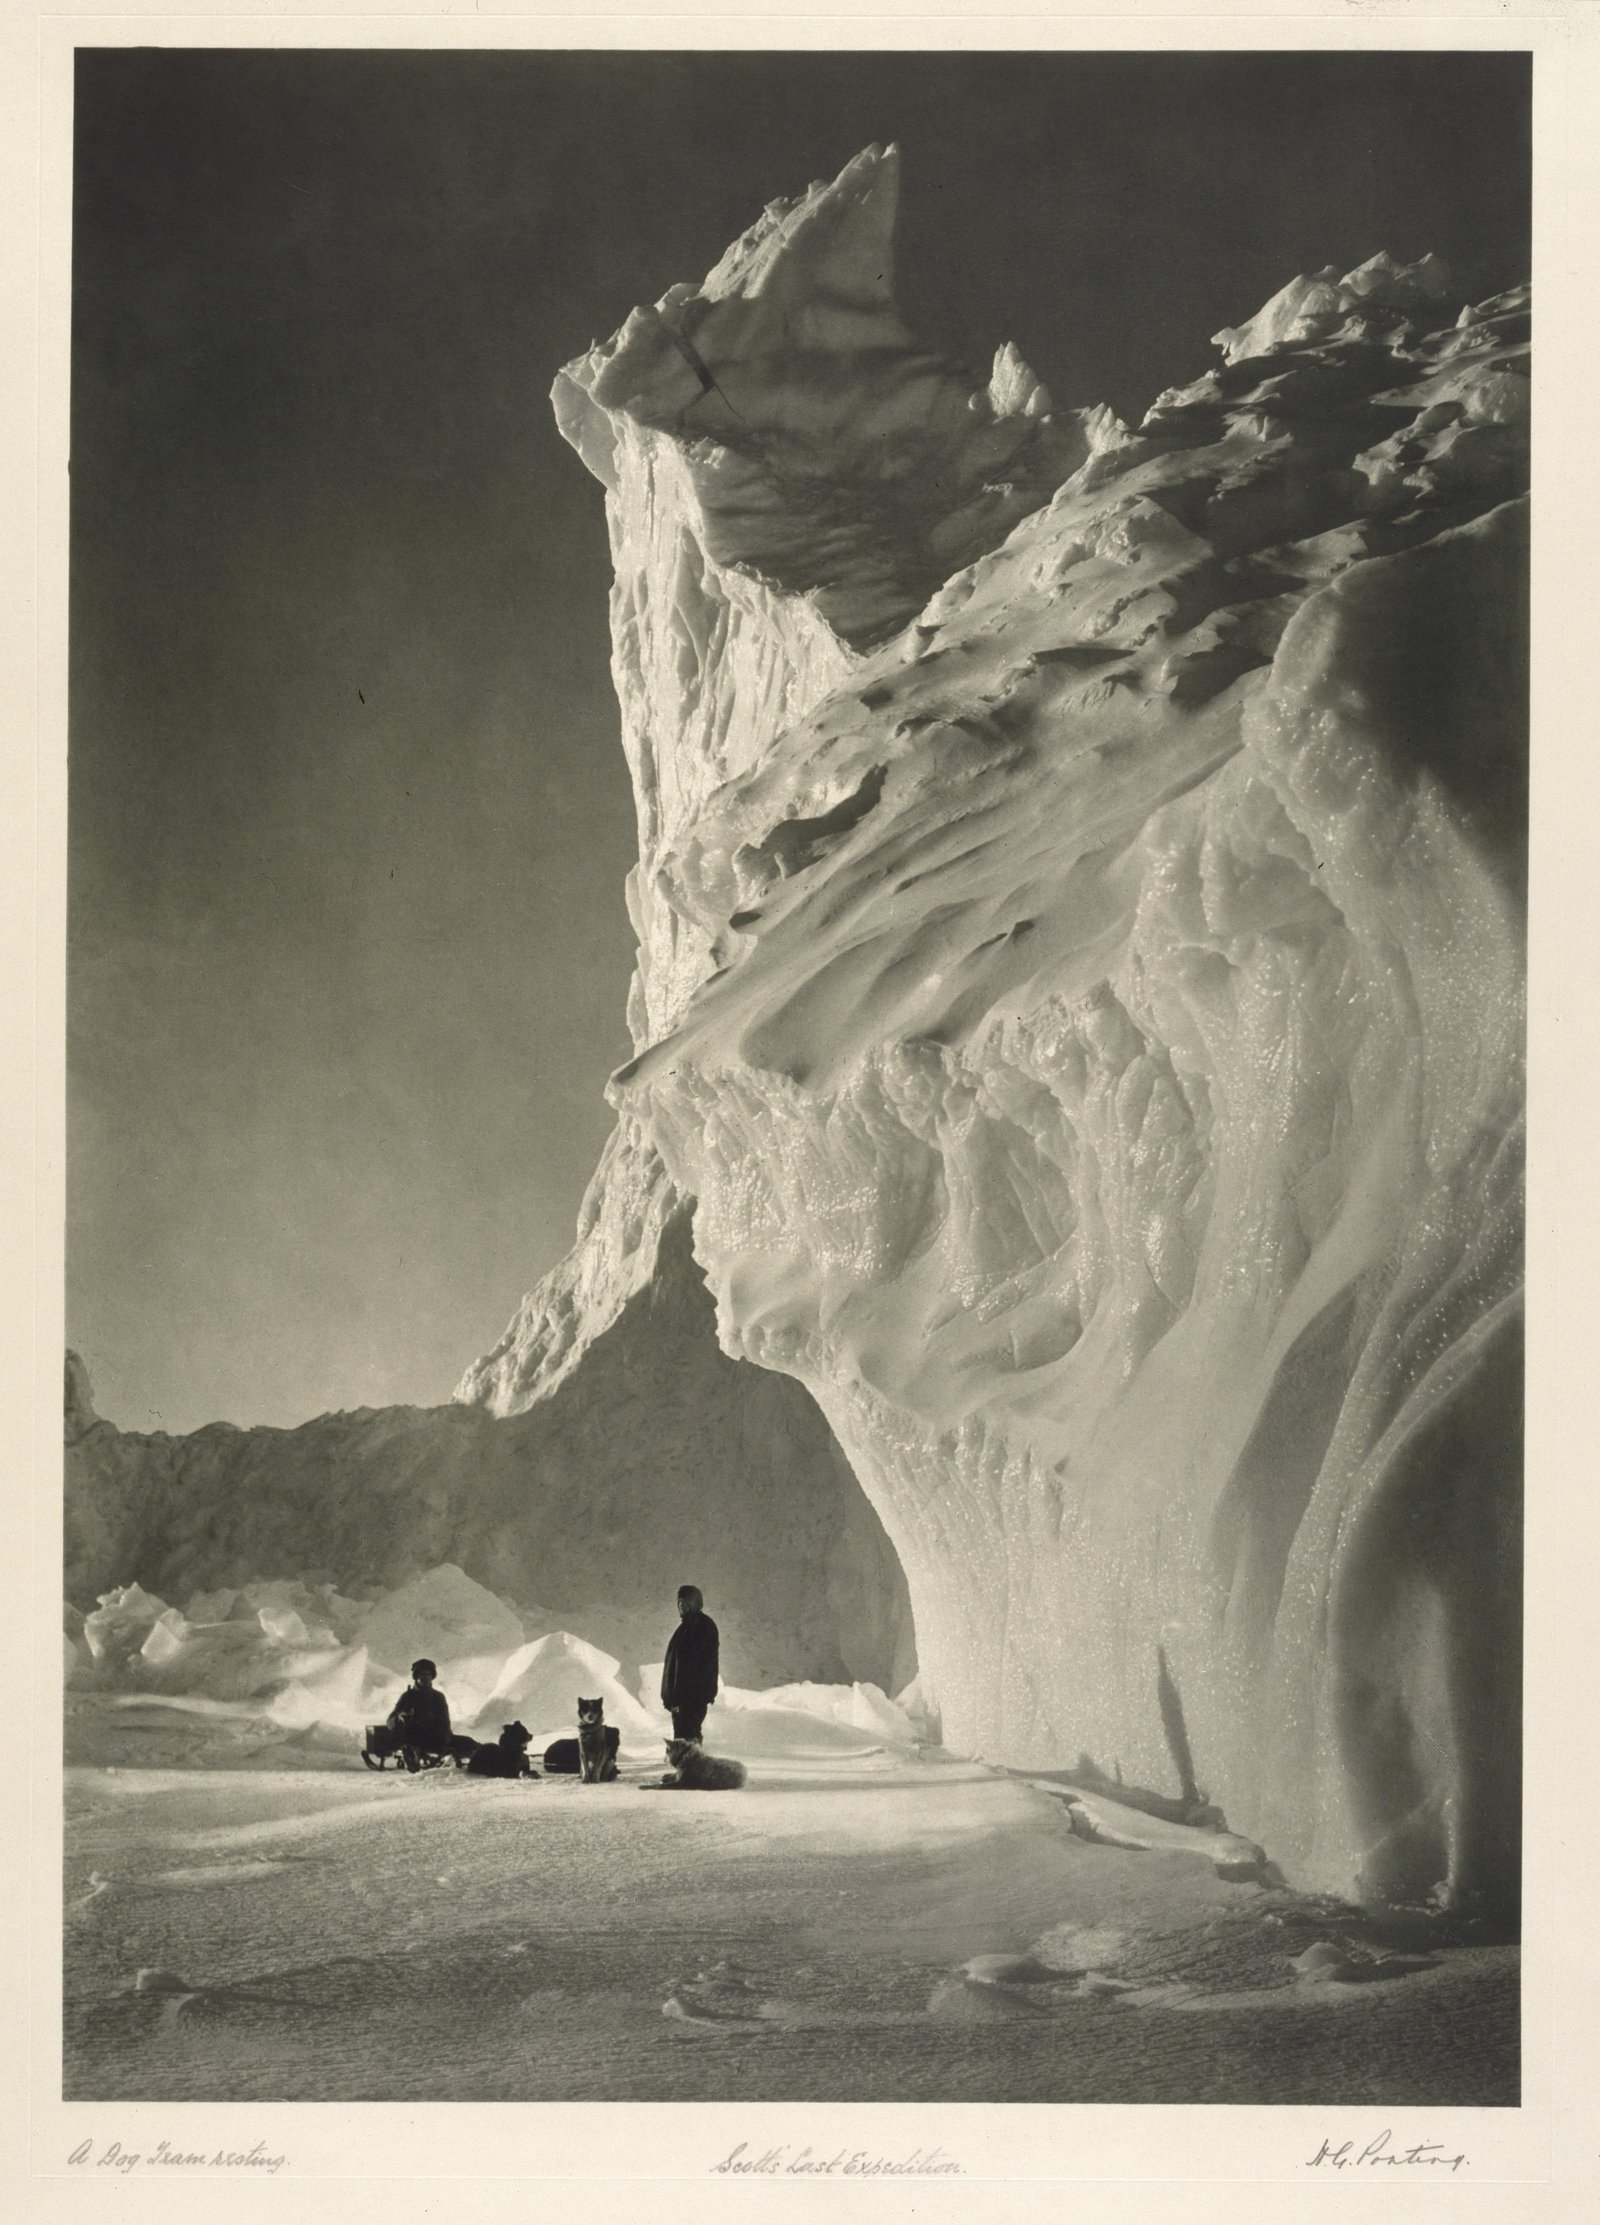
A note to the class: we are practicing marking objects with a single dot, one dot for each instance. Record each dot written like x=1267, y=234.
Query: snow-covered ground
x=866, y=1920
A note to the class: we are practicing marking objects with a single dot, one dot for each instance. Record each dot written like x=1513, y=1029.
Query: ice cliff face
x=618, y=1464
x=1080, y=965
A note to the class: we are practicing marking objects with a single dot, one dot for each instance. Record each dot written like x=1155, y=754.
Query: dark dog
x=506, y=1757
x=598, y=1741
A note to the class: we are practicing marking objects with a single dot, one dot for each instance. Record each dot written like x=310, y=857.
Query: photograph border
x=1540, y=2159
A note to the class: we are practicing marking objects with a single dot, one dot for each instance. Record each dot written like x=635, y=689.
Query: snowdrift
x=1080, y=986
x=285, y=1673
x=541, y=1682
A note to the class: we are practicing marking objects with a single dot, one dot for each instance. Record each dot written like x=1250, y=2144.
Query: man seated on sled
x=419, y=1723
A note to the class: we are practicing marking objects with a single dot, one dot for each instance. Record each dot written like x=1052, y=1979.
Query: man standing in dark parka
x=689, y=1673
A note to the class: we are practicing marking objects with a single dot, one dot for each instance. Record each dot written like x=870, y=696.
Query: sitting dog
x=694, y=1770
x=507, y=1756
x=598, y=1741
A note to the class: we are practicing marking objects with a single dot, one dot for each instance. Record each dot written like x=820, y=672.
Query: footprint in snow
x=174, y=1993
x=685, y=2008
x=235, y=1872
x=988, y=1988
x=721, y=1999
x=1330, y=1963
x=964, y=2000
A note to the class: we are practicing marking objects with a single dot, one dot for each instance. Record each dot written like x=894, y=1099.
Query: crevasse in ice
x=1079, y=910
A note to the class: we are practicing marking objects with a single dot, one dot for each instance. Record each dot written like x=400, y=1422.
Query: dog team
x=418, y=1733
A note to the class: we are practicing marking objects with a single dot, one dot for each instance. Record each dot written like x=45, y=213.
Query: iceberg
x=1080, y=991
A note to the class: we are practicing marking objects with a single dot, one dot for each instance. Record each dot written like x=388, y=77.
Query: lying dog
x=507, y=1756
x=694, y=1770
x=598, y=1741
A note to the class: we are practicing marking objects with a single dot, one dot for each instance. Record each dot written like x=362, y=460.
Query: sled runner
x=384, y=1746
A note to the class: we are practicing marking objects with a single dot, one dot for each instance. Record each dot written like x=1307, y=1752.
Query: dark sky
x=349, y=819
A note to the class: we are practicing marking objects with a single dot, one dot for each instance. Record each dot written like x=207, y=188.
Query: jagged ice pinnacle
x=1080, y=988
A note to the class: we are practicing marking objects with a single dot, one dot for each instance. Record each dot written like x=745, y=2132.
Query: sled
x=385, y=1747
